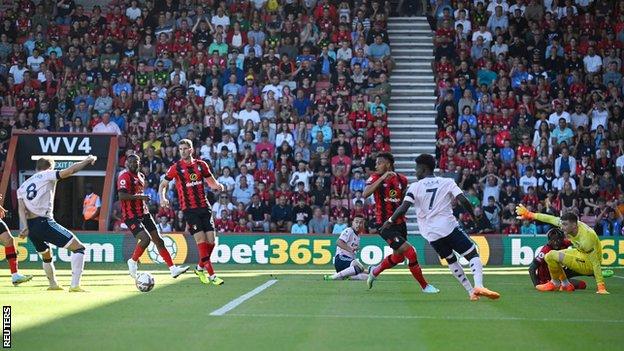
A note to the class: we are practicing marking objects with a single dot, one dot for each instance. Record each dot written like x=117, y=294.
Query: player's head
x=569, y=223
x=384, y=162
x=185, y=146
x=45, y=163
x=425, y=164
x=357, y=223
x=133, y=163
x=555, y=238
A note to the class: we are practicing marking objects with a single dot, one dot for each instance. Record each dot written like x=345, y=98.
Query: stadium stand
x=530, y=108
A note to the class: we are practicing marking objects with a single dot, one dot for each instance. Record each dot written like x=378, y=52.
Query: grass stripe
x=416, y=317
x=239, y=300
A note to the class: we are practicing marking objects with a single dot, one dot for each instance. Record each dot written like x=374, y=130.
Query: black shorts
x=3, y=227
x=144, y=223
x=457, y=241
x=199, y=220
x=43, y=231
x=342, y=262
x=395, y=235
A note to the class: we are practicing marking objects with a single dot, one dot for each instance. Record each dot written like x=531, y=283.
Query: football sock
x=77, y=265
x=565, y=282
x=11, y=257
x=164, y=253
x=347, y=272
x=204, y=257
x=48, y=268
x=138, y=251
x=477, y=271
x=414, y=268
x=578, y=284
x=388, y=262
x=556, y=282
x=458, y=272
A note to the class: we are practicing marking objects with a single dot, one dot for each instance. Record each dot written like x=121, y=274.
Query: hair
x=570, y=217
x=387, y=156
x=45, y=163
x=426, y=160
x=555, y=234
x=358, y=216
x=133, y=156
x=186, y=142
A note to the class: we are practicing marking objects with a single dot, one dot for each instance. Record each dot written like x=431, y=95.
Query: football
x=144, y=282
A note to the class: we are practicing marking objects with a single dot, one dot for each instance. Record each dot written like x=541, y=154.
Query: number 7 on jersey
x=433, y=194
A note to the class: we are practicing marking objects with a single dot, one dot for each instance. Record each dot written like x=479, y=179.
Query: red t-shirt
x=132, y=184
x=189, y=177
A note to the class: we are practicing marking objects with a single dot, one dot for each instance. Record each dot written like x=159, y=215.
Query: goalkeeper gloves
x=602, y=290
x=524, y=213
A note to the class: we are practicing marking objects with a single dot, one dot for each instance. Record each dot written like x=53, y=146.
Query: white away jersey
x=353, y=241
x=38, y=193
x=432, y=197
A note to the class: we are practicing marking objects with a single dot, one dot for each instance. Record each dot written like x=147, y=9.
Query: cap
x=249, y=77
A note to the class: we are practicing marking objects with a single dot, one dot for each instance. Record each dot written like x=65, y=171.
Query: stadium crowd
x=286, y=99
x=529, y=109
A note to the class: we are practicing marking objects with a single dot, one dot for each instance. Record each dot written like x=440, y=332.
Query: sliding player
x=584, y=257
x=190, y=177
x=130, y=186
x=6, y=240
x=389, y=188
x=345, y=262
x=36, y=213
x=433, y=196
x=538, y=270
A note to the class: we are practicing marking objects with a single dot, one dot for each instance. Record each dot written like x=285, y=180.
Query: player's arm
x=76, y=167
x=124, y=196
x=372, y=187
x=465, y=203
x=162, y=192
x=214, y=184
x=524, y=213
x=3, y=211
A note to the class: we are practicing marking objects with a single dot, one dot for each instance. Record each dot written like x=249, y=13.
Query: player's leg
x=460, y=243
x=6, y=240
x=150, y=225
x=409, y=252
x=577, y=283
x=211, y=235
x=49, y=269
x=395, y=241
x=36, y=229
x=143, y=239
x=444, y=250
x=345, y=267
x=60, y=236
x=574, y=261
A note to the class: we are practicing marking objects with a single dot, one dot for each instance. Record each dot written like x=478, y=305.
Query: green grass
x=301, y=312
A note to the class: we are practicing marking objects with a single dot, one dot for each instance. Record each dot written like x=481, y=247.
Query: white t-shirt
x=111, y=128
x=35, y=62
x=599, y=118
x=619, y=163
x=592, y=63
x=433, y=197
x=18, y=74
x=351, y=239
x=133, y=13
x=38, y=193
x=554, y=118
x=253, y=115
x=526, y=182
x=223, y=21
x=200, y=90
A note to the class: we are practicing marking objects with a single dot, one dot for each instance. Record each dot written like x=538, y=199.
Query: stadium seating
x=532, y=85
x=161, y=92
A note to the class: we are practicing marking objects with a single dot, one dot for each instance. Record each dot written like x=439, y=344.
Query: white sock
x=48, y=268
x=347, y=272
x=361, y=276
x=14, y=275
x=477, y=271
x=557, y=282
x=565, y=282
x=458, y=272
x=77, y=265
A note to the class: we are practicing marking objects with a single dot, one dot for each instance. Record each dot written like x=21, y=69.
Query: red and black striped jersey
x=388, y=196
x=189, y=177
x=133, y=184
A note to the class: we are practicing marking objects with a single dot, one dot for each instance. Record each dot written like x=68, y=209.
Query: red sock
x=11, y=257
x=204, y=257
x=138, y=251
x=166, y=256
x=388, y=262
x=579, y=284
x=414, y=267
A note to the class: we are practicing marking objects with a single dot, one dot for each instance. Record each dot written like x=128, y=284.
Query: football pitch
x=292, y=308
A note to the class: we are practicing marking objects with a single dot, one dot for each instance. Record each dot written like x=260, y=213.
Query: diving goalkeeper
x=583, y=257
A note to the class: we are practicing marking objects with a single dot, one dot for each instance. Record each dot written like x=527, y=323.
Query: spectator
x=281, y=216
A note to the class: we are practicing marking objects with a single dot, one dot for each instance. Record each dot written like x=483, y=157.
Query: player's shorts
x=457, y=241
x=3, y=227
x=395, y=235
x=144, y=223
x=342, y=262
x=43, y=231
x=199, y=220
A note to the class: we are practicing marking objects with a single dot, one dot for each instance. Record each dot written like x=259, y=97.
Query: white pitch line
x=239, y=300
x=415, y=317
x=617, y=276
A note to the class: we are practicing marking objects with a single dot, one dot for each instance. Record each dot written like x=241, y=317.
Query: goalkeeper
x=584, y=257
